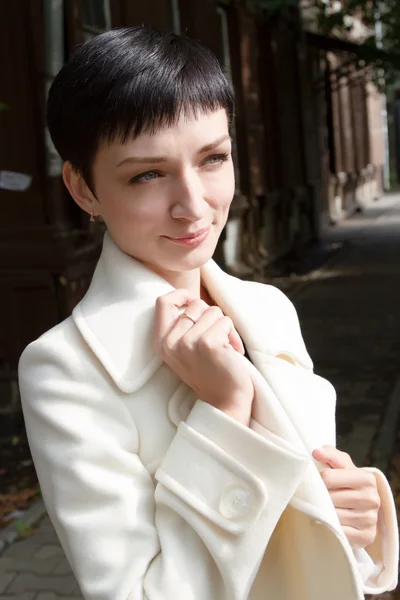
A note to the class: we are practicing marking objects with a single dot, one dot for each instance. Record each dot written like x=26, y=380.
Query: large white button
x=236, y=501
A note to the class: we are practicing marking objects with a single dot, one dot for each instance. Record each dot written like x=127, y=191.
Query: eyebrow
x=159, y=159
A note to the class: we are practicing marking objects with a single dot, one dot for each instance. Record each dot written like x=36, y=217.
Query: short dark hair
x=129, y=81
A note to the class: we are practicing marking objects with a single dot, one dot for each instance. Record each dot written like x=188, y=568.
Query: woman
x=173, y=463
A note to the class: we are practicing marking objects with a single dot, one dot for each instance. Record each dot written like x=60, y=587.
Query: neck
x=187, y=280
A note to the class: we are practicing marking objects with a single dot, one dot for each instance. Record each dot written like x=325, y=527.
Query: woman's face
x=174, y=184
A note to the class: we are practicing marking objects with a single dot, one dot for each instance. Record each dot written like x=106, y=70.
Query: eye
x=144, y=177
x=217, y=159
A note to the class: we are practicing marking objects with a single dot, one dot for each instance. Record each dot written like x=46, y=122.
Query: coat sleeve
x=199, y=530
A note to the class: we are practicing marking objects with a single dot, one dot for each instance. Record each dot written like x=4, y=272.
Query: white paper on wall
x=15, y=182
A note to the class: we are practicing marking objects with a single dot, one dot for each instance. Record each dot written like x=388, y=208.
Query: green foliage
x=329, y=20
x=381, y=31
x=381, y=20
x=370, y=12
x=3, y=106
x=23, y=530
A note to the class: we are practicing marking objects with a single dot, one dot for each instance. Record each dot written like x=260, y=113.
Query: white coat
x=155, y=494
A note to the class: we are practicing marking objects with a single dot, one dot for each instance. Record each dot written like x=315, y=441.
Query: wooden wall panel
x=289, y=113
x=338, y=162
x=27, y=309
x=252, y=101
x=346, y=125
x=250, y=124
x=199, y=19
x=270, y=108
x=309, y=100
x=22, y=125
x=154, y=13
x=358, y=104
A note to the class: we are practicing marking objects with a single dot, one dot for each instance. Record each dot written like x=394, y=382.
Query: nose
x=188, y=201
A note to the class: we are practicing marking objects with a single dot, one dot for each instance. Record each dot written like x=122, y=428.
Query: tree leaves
x=372, y=24
x=344, y=17
x=11, y=505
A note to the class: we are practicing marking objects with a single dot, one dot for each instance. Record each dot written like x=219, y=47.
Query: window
x=176, y=20
x=226, y=62
x=96, y=17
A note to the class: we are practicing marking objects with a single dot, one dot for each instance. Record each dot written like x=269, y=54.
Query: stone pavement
x=36, y=569
x=350, y=316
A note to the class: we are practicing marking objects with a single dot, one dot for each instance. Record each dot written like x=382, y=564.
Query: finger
x=184, y=324
x=348, y=518
x=236, y=341
x=351, y=499
x=353, y=479
x=209, y=318
x=167, y=310
x=333, y=457
x=358, y=538
x=357, y=519
x=221, y=333
x=362, y=520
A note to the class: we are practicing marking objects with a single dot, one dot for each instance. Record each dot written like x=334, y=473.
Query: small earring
x=93, y=217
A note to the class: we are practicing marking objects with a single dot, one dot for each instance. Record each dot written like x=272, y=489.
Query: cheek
x=128, y=208
x=222, y=189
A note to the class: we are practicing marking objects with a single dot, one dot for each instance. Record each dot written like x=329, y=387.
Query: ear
x=79, y=189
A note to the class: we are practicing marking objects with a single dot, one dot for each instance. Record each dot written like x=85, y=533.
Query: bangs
x=156, y=98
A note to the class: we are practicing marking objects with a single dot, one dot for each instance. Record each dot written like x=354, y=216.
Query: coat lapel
x=116, y=317
x=263, y=316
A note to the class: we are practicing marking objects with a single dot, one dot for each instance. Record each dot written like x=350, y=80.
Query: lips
x=191, y=240
x=189, y=236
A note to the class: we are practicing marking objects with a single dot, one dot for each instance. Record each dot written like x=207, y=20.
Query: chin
x=191, y=260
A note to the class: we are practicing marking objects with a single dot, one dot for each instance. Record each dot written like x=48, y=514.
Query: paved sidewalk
x=36, y=569
x=350, y=317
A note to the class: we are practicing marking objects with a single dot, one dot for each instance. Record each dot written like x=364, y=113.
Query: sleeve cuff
x=228, y=472
x=379, y=562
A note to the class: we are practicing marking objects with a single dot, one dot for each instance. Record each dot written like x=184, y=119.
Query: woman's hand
x=204, y=354
x=354, y=494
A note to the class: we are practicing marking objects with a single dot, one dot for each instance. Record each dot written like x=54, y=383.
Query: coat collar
x=116, y=316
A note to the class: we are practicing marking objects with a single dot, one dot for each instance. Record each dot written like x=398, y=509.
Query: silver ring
x=188, y=317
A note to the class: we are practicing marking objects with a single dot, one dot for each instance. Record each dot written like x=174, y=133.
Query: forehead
x=188, y=135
